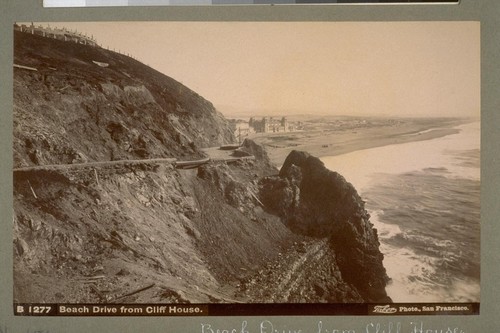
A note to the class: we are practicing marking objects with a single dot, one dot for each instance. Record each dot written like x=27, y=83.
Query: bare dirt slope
x=72, y=110
x=179, y=236
x=140, y=230
x=88, y=239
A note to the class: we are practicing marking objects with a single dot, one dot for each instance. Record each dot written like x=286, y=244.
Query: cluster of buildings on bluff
x=269, y=125
x=243, y=128
x=57, y=33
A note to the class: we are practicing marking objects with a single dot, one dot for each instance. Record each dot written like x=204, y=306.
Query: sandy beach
x=335, y=141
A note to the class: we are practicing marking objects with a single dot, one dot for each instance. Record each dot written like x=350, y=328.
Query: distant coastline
x=332, y=142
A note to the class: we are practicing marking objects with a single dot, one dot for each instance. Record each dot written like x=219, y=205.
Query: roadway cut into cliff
x=216, y=233
x=103, y=214
x=97, y=234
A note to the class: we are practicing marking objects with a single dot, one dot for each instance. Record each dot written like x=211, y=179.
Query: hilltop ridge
x=85, y=103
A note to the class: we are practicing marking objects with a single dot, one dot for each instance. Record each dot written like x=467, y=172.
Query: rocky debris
x=306, y=273
x=21, y=246
x=239, y=195
x=318, y=202
x=173, y=296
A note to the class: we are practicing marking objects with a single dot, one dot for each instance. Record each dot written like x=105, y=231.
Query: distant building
x=55, y=33
x=270, y=125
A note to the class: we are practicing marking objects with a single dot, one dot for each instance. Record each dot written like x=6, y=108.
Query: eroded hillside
x=203, y=235
x=104, y=212
x=72, y=109
x=91, y=235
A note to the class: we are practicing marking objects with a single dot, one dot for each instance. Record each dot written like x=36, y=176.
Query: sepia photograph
x=235, y=164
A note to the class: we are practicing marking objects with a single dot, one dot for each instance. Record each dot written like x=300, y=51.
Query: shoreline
x=338, y=142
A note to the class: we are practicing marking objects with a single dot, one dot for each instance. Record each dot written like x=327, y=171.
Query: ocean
x=424, y=200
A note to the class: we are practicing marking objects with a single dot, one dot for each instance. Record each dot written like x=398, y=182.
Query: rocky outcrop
x=226, y=232
x=317, y=202
x=264, y=165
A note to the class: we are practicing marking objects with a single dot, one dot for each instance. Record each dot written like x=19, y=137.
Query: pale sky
x=337, y=68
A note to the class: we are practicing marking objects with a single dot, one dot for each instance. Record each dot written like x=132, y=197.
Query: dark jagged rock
x=256, y=150
x=320, y=203
x=262, y=159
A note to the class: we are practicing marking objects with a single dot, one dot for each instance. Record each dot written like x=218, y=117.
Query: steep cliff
x=78, y=103
x=100, y=213
x=93, y=234
x=317, y=202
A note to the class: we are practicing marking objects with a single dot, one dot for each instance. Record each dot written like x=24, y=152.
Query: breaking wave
x=424, y=200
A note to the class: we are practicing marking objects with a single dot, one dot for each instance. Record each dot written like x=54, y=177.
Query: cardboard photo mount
x=309, y=321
